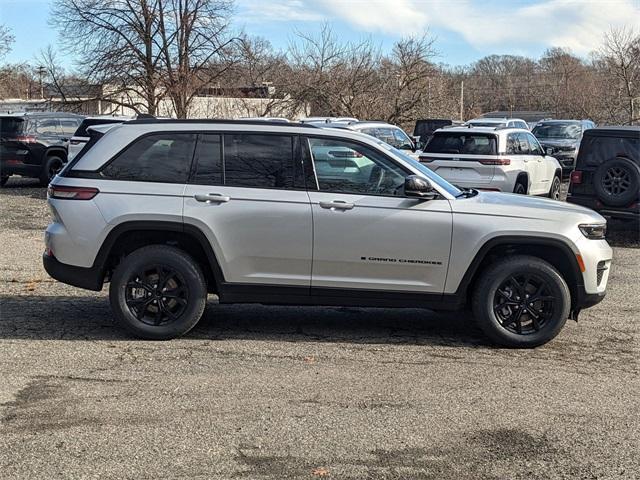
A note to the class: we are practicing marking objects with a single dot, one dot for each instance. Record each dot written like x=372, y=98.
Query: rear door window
x=208, y=167
x=259, y=161
x=159, y=157
x=462, y=143
x=68, y=126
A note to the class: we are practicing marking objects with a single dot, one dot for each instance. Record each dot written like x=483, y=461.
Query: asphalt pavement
x=256, y=392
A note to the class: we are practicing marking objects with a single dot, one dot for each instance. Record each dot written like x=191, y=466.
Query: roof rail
x=149, y=121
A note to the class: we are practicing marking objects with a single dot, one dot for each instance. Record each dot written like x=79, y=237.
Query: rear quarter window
x=594, y=151
x=161, y=157
x=462, y=143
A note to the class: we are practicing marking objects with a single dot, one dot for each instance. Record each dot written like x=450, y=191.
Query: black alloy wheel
x=157, y=295
x=523, y=304
x=616, y=181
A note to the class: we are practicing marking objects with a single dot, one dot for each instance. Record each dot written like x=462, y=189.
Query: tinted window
x=346, y=167
x=260, y=161
x=161, y=157
x=68, y=126
x=45, y=126
x=462, y=143
x=522, y=145
x=534, y=146
x=10, y=126
x=208, y=160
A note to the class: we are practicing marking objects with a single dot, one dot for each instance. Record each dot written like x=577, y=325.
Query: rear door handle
x=337, y=205
x=211, y=198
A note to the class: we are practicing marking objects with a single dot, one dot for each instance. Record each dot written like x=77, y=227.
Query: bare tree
x=195, y=44
x=117, y=45
x=620, y=57
x=6, y=40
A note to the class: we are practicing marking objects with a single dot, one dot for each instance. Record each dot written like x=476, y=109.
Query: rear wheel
x=554, y=191
x=521, y=301
x=52, y=166
x=158, y=292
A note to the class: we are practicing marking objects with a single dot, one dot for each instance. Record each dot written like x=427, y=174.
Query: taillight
x=25, y=139
x=576, y=177
x=495, y=161
x=72, y=193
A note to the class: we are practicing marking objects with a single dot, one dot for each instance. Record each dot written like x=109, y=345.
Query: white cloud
x=575, y=24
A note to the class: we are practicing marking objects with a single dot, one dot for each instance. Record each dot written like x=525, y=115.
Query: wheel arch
x=129, y=236
x=57, y=151
x=556, y=252
x=522, y=177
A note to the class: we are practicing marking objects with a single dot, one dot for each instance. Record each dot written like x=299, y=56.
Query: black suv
x=607, y=173
x=35, y=144
x=561, y=139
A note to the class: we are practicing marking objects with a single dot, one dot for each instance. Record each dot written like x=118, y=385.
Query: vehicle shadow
x=90, y=318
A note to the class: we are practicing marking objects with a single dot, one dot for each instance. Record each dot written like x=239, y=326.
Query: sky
x=465, y=30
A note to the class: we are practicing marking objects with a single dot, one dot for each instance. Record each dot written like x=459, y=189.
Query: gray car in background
x=561, y=139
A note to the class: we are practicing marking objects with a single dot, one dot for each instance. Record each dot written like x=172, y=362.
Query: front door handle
x=337, y=205
x=211, y=197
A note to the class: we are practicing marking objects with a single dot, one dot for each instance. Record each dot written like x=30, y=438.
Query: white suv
x=500, y=159
x=275, y=213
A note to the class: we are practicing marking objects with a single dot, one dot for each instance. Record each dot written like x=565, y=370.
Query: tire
x=50, y=169
x=554, y=191
x=3, y=180
x=505, y=315
x=520, y=188
x=140, y=298
x=617, y=182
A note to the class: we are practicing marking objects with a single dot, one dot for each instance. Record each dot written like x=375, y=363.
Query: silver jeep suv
x=168, y=211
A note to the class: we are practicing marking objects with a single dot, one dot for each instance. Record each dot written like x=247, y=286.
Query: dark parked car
x=35, y=144
x=561, y=139
x=607, y=173
x=425, y=128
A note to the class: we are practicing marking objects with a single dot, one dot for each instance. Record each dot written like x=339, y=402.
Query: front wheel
x=158, y=292
x=521, y=301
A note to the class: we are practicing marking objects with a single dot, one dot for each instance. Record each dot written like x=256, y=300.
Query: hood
x=525, y=207
x=559, y=142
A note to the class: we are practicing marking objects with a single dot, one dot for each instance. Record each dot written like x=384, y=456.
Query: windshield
x=431, y=175
x=569, y=131
x=465, y=143
x=393, y=136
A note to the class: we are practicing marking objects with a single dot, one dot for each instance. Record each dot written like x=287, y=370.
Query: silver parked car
x=274, y=213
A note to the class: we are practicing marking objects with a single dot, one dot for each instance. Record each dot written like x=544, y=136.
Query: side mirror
x=419, y=187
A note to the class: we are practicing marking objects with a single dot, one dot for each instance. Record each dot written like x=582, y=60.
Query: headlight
x=593, y=231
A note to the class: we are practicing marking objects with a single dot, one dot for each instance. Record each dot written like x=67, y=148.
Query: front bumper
x=87, y=278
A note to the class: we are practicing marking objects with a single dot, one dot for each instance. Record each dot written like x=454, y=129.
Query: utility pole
x=462, y=100
x=41, y=71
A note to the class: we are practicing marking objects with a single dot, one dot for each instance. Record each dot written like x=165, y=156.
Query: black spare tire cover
x=617, y=182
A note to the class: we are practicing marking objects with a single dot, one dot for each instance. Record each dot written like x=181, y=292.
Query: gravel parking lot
x=281, y=392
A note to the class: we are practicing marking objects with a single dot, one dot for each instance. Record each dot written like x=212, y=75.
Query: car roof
x=209, y=121
x=372, y=123
x=495, y=120
x=43, y=115
x=492, y=130
x=543, y=122
x=622, y=131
